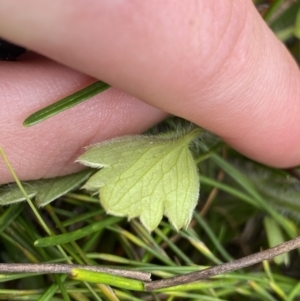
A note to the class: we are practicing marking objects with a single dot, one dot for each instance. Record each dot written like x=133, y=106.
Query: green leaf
x=275, y=237
x=45, y=190
x=11, y=193
x=146, y=177
x=51, y=189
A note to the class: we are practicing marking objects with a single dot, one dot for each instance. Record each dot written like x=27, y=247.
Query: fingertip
x=222, y=69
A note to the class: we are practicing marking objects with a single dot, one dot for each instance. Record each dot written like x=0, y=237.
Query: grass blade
x=117, y=281
x=66, y=103
x=72, y=236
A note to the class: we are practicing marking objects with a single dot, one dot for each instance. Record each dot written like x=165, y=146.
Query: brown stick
x=225, y=267
x=52, y=268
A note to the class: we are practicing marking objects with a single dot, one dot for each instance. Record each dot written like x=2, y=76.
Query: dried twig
x=226, y=267
x=51, y=268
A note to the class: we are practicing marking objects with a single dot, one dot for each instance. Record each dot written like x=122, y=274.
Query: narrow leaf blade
x=66, y=103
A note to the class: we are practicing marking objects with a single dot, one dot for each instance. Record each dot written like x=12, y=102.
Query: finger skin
x=212, y=62
x=50, y=148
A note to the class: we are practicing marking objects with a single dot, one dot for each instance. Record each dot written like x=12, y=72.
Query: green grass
x=244, y=207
